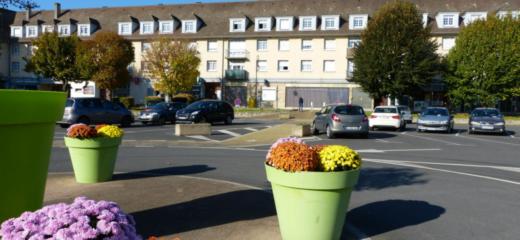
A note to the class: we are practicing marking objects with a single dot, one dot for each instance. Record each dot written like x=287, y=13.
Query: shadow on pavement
x=182, y=170
x=380, y=217
x=379, y=178
x=205, y=212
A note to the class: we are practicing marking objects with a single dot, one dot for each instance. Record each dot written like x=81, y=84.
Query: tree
x=18, y=3
x=55, y=58
x=396, y=55
x=105, y=60
x=484, y=65
x=174, y=65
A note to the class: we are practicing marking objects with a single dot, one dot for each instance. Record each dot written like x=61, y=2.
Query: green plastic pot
x=93, y=159
x=311, y=205
x=26, y=134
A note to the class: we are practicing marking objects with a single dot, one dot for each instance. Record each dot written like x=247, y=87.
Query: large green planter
x=311, y=205
x=26, y=132
x=93, y=159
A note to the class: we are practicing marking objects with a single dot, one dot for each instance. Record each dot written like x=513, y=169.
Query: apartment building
x=274, y=51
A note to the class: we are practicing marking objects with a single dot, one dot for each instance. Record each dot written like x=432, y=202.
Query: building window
x=283, y=66
x=17, y=32
x=306, y=44
x=474, y=16
x=329, y=66
x=84, y=30
x=47, y=28
x=211, y=66
x=261, y=45
x=125, y=28
x=308, y=23
x=353, y=42
x=448, y=43
x=330, y=23
x=32, y=31
x=262, y=24
x=212, y=46
x=350, y=68
x=425, y=19
x=166, y=27
x=358, y=22
x=330, y=44
x=237, y=25
x=284, y=23
x=15, y=67
x=283, y=45
x=306, y=66
x=15, y=50
x=448, y=20
x=146, y=46
x=147, y=27
x=261, y=65
x=189, y=26
x=64, y=30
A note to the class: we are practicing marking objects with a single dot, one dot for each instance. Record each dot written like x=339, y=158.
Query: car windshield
x=485, y=113
x=349, y=110
x=436, y=112
x=385, y=110
x=197, y=106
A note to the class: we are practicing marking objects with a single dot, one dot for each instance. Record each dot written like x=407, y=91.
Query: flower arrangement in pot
x=311, y=187
x=93, y=151
x=82, y=219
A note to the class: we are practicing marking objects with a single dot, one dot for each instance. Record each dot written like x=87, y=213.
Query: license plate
x=487, y=127
x=352, y=128
x=181, y=117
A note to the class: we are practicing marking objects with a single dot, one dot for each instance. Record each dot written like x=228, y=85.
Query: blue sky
x=67, y=4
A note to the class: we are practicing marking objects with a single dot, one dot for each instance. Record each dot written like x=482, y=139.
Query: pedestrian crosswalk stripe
x=234, y=134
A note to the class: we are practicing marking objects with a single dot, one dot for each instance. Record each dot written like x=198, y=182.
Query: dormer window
x=166, y=27
x=64, y=30
x=47, y=28
x=125, y=28
x=84, y=30
x=237, y=25
x=358, y=22
x=470, y=17
x=425, y=19
x=31, y=31
x=284, y=24
x=263, y=24
x=330, y=22
x=448, y=20
x=147, y=27
x=189, y=26
x=308, y=23
x=17, y=31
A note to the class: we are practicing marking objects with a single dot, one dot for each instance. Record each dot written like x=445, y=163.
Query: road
x=412, y=186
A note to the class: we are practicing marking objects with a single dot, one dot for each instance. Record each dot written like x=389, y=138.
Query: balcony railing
x=237, y=54
x=236, y=75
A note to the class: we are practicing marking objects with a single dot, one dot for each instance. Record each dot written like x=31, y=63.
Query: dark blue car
x=161, y=113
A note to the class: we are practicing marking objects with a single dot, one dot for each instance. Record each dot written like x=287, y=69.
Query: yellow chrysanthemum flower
x=339, y=158
x=110, y=131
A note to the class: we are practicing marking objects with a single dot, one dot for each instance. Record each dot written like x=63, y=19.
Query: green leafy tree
x=105, y=60
x=55, y=58
x=173, y=64
x=396, y=54
x=484, y=65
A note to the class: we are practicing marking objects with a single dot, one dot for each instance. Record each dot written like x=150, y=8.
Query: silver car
x=95, y=111
x=435, y=119
x=406, y=113
x=341, y=119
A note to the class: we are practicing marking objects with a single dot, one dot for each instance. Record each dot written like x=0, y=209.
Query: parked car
x=406, y=113
x=340, y=119
x=387, y=117
x=206, y=111
x=435, y=119
x=161, y=112
x=95, y=111
x=486, y=120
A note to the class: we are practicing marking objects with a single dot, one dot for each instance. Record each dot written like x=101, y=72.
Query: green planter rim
x=98, y=142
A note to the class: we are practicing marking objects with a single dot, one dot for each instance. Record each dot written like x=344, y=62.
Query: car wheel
x=418, y=130
x=126, y=121
x=84, y=120
x=144, y=123
x=470, y=131
x=372, y=128
x=228, y=120
x=330, y=134
x=314, y=130
x=162, y=121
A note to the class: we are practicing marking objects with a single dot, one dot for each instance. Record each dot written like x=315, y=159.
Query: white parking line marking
x=200, y=137
x=144, y=146
x=381, y=140
x=234, y=134
x=435, y=140
x=396, y=150
x=489, y=140
x=251, y=129
x=457, y=134
x=510, y=169
x=511, y=136
x=398, y=163
x=404, y=132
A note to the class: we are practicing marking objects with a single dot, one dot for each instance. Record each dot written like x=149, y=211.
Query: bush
x=127, y=101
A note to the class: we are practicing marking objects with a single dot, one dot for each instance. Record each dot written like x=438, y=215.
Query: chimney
x=28, y=13
x=57, y=10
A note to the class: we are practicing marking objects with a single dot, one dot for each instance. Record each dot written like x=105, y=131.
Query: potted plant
x=311, y=187
x=27, y=130
x=93, y=151
x=83, y=219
